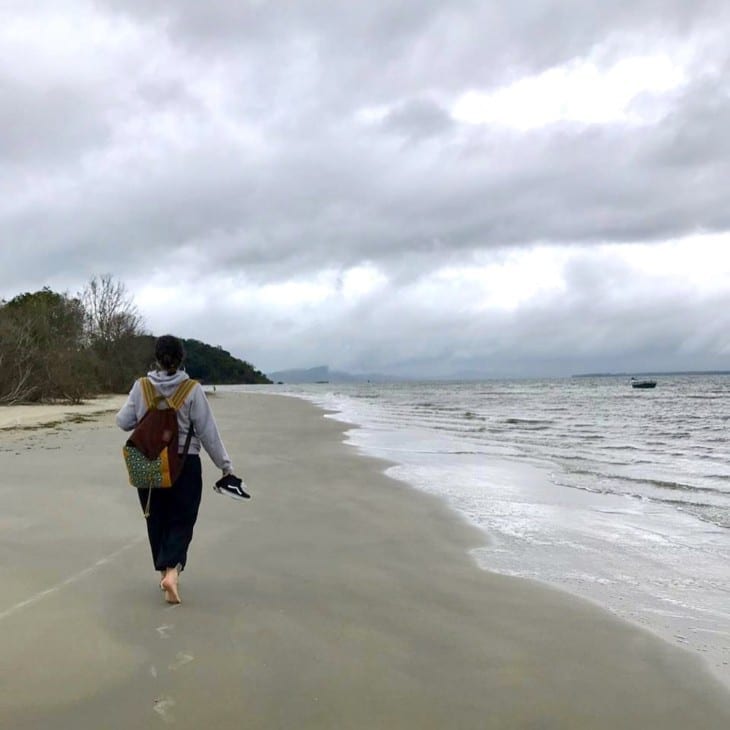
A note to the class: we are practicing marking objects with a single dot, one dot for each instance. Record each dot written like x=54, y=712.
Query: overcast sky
x=424, y=187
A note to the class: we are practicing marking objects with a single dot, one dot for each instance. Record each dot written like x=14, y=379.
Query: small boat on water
x=643, y=383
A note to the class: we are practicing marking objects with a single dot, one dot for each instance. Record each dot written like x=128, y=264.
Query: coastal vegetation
x=216, y=365
x=62, y=347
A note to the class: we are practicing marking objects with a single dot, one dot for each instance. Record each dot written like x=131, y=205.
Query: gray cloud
x=418, y=118
x=236, y=137
x=47, y=126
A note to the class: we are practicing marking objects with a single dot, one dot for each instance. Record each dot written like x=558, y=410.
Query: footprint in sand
x=164, y=630
x=162, y=706
x=181, y=659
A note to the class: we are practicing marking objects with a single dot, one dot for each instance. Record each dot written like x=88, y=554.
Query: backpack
x=151, y=452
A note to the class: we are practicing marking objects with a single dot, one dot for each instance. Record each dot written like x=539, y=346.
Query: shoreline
x=701, y=633
x=698, y=629
x=338, y=597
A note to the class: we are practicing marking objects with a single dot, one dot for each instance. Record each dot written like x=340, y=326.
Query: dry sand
x=335, y=598
x=33, y=416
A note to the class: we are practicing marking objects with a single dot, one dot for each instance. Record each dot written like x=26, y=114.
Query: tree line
x=61, y=347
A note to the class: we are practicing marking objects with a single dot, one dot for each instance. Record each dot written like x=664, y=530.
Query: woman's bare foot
x=169, y=585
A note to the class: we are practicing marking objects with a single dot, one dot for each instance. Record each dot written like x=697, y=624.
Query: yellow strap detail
x=148, y=391
x=177, y=399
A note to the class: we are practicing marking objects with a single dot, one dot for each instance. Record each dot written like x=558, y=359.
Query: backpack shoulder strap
x=177, y=399
x=149, y=392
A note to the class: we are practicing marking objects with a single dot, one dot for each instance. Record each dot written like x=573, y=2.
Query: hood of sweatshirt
x=166, y=384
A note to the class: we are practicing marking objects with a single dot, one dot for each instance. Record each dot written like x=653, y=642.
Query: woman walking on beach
x=171, y=512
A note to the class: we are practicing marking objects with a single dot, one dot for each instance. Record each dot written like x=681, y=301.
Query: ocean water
x=619, y=495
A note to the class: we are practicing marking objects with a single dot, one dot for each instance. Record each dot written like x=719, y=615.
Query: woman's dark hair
x=169, y=353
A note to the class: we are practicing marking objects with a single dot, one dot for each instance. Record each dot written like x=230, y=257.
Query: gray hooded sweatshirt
x=195, y=408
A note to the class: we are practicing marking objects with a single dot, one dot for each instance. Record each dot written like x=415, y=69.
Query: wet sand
x=335, y=598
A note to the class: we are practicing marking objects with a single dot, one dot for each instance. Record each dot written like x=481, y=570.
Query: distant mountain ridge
x=322, y=374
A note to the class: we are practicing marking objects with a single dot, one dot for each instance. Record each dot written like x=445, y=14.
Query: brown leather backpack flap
x=155, y=432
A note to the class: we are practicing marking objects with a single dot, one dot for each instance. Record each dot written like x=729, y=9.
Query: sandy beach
x=336, y=598
x=18, y=418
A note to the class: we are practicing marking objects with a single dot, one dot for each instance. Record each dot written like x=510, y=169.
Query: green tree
x=58, y=347
x=41, y=345
x=216, y=365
